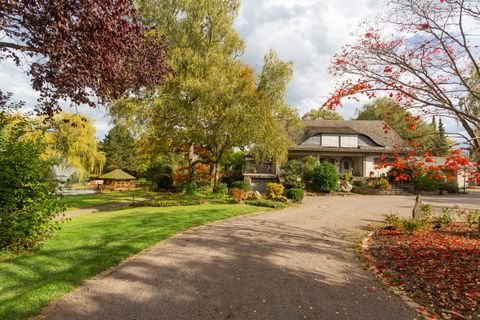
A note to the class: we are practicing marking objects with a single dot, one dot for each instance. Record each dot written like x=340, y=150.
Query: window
x=329, y=140
x=349, y=141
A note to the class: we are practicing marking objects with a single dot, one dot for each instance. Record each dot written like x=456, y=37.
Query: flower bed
x=439, y=269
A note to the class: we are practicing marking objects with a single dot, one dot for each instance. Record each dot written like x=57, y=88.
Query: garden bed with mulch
x=438, y=269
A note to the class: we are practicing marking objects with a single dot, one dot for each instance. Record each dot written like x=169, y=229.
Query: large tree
x=213, y=103
x=71, y=139
x=121, y=150
x=322, y=114
x=411, y=128
x=420, y=53
x=75, y=48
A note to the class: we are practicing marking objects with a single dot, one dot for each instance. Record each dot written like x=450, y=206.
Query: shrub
x=253, y=195
x=382, y=184
x=470, y=217
x=274, y=191
x=295, y=194
x=362, y=182
x=266, y=203
x=237, y=195
x=445, y=218
x=426, y=182
x=426, y=212
x=309, y=164
x=190, y=188
x=242, y=185
x=293, y=174
x=29, y=207
x=450, y=187
x=347, y=176
x=393, y=221
x=220, y=188
x=161, y=175
x=325, y=178
x=412, y=225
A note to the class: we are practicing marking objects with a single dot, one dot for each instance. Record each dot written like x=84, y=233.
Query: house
x=355, y=146
x=117, y=180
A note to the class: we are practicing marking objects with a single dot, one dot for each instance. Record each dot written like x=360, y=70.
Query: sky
x=307, y=32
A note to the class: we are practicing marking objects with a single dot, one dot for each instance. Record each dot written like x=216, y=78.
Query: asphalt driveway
x=291, y=264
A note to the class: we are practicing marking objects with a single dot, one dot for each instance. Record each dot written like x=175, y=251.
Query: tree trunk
x=191, y=165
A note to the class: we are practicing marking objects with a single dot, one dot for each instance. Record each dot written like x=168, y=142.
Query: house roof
x=117, y=174
x=374, y=129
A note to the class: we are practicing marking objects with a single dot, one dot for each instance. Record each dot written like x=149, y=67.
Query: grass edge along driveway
x=88, y=245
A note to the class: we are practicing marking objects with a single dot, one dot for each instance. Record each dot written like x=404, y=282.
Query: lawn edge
x=45, y=310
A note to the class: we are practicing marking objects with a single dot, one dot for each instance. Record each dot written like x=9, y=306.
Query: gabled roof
x=374, y=129
x=117, y=174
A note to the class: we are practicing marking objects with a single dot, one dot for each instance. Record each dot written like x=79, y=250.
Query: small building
x=117, y=180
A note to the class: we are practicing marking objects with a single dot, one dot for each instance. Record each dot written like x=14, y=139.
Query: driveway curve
x=292, y=264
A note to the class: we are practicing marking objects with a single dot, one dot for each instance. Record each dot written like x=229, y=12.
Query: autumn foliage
x=81, y=49
x=421, y=53
x=440, y=267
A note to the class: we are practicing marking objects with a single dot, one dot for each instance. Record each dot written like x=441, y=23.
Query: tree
x=75, y=48
x=71, y=138
x=440, y=143
x=121, y=150
x=213, y=103
x=411, y=128
x=426, y=63
x=281, y=125
x=322, y=114
x=29, y=208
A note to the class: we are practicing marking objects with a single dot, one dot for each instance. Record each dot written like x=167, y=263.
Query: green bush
x=445, y=218
x=426, y=212
x=295, y=194
x=412, y=225
x=382, y=184
x=450, y=187
x=220, y=188
x=393, y=221
x=347, y=176
x=161, y=175
x=325, y=178
x=293, y=174
x=29, y=207
x=266, y=203
x=426, y=182
x=470, y=217
x=242, y=185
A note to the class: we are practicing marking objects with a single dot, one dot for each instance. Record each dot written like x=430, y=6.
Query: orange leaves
x=439, y=267
x=347, y=89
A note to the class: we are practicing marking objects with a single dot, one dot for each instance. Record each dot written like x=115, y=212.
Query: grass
x=74, y=202
x=90, y=244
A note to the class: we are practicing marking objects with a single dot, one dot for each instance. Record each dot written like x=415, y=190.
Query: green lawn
x=89, y=200
x=90, y=244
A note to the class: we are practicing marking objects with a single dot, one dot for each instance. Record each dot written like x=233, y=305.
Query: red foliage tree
x=79, y=49
x=422, y=53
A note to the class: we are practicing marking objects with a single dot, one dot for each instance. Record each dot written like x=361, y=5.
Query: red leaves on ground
x=440, y=268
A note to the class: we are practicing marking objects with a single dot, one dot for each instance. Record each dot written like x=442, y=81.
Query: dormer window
x=349, y=141
x=330, y=140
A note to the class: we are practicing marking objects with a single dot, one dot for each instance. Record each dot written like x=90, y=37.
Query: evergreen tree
x=120, y=150
x=440, y=142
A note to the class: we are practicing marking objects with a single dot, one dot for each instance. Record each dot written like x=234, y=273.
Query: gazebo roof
x=117, y=174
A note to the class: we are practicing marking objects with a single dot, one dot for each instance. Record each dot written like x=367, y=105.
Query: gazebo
x=117, y=180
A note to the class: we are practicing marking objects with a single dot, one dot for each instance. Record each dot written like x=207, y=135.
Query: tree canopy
x=322, y=114
x=74, y=48
x=121, y=150
x=214, y=102
x=427, y=63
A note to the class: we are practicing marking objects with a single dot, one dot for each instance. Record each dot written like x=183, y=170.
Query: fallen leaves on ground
x=439, y=268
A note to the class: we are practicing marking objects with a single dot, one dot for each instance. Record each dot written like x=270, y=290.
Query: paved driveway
x=291, y=264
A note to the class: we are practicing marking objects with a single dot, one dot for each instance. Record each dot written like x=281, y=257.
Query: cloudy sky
x=307, y=32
